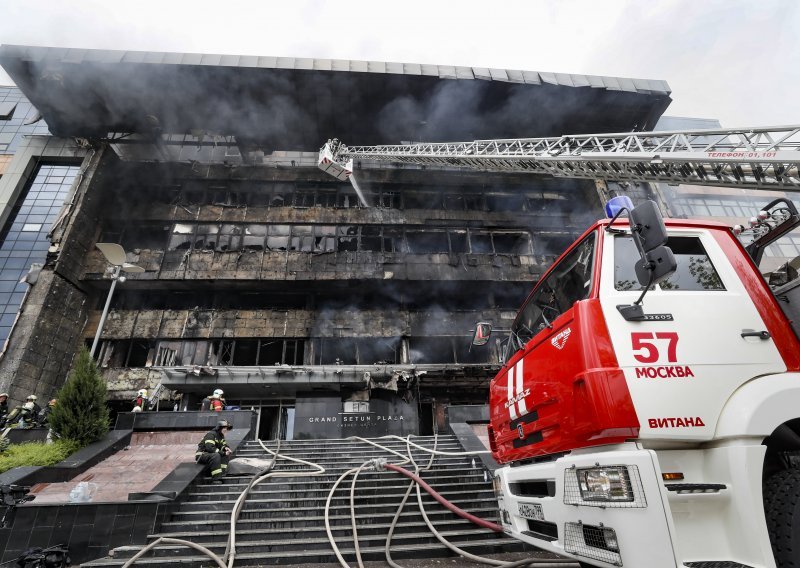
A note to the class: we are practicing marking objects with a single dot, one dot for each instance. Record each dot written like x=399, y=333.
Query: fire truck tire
x=782, y=510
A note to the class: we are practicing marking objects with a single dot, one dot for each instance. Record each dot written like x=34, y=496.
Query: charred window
x=431, y=349
x=140, y=353
x=459, y=241
x=324, y=238
x=302, y=238
x=182, y=237
x=378, y=350
x=337, y=351
x=166, y=356
x=253, y=237
x=278, y=237
x=229, y=238
x=206, y=237
x=371, y=238
x=325, y=198
x=245, y=353
x=359, y=351
x=481, y=242
x=422, y=200
x=509, y=242
x=347, y=238
x=221, y=352
x=153, y=236
x=222, y=195
x=329, y=238
x=447, y=349
x=393, y=240
x=505, y=202
x=388, y=199
x=346, y=197
x=304, y=197
x=280, y=352
x=282, y=195
x=422, y=242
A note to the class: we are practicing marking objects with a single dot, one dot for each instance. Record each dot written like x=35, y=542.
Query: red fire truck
x=647, y=412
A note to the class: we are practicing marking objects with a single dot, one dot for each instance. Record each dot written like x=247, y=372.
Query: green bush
x=81, y=413
x=37, y=453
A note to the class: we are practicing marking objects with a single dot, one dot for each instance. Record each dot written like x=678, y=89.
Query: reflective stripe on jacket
x=212, y=442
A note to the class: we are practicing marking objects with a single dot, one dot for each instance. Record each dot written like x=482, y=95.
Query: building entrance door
x=276, y=421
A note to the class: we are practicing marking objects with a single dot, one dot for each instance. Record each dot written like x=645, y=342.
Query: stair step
x=437, y=550
x=319, y=543
x=282, y=521
x=341, y=498
x=409, y=514
x=251, y=511
x=317, y=531
x=265, y=490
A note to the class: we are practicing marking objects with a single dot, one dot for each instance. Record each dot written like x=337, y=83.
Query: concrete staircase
x=282, y=522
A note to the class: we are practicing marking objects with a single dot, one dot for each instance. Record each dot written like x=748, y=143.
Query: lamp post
x=115, y=255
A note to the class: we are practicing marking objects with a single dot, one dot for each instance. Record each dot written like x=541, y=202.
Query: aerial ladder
x=747, y=158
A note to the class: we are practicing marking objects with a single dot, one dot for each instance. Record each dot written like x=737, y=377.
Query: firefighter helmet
x=5, y=394
x=31, y=397
x=218, y=392
x=222, y=424
x=142, y=393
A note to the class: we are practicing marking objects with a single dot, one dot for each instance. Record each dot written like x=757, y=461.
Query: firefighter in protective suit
x=213, y=451
x=215, y=401
x=140, y=401
x=25, y=414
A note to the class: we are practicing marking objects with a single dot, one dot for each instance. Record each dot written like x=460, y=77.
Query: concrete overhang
x=288, y=380
x=288, y=103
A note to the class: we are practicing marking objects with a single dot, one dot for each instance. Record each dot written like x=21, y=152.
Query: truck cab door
x=701, y=339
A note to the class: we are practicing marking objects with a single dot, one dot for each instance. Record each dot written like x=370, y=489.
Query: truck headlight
x=605, y=483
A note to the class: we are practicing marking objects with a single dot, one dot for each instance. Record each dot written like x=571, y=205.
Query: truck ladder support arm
x=753, y=158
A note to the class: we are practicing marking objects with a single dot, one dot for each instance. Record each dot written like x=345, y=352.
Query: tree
x=81, y=413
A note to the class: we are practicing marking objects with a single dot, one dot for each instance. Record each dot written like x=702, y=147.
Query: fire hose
x=378, y=463
x=541, y=563
x=382, y=464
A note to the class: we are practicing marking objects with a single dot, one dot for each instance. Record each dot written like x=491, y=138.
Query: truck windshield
x=695, y=270
x=569, y=281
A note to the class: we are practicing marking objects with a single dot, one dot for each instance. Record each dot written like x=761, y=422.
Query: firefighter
x=44, y=416
x=217, y=403
x=140, y=401
x=213, y=451
x=25, y=414
x=3, y=408
x=209, y=404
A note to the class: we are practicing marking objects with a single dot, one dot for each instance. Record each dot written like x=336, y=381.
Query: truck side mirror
x=481, y=334
x=646, y=221
x=655, y=266
x=650, y=235
x=656, y=260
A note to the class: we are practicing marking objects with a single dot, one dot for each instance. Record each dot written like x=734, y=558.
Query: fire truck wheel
x=782, y=509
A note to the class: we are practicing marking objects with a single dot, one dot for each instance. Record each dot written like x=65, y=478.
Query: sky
x=734, y=60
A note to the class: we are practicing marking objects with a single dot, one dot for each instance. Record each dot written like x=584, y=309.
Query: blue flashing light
x=615, y=204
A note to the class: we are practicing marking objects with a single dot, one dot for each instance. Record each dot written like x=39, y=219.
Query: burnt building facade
x=330, y=311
